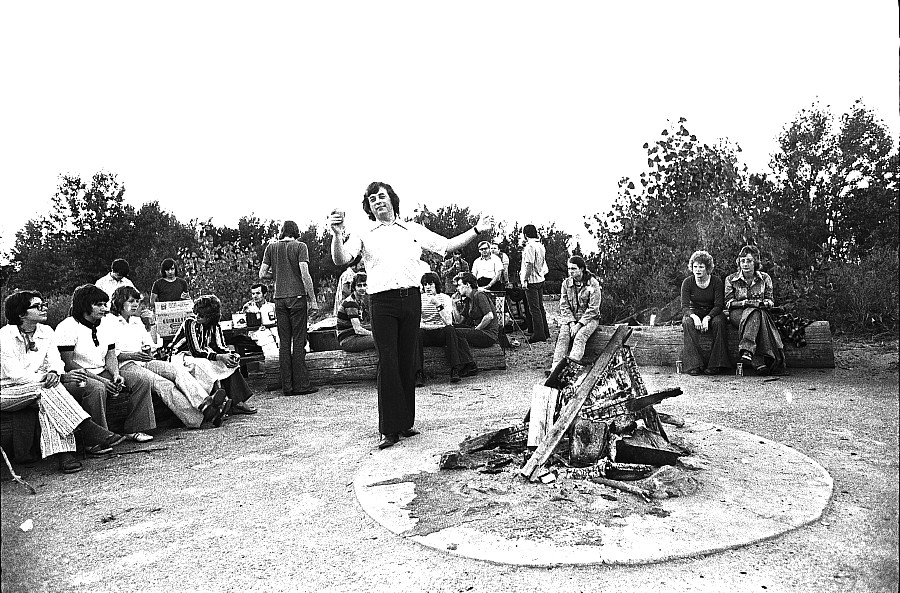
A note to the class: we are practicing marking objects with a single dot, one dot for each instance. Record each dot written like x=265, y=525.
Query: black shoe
x=420, y=379
x=694, y=372
x=762, y=370
x=221, y=412
x=454, y=375
x=409, y=432
x=306, y=391
x=388, y=440
x=710, y=371
x=468, y=370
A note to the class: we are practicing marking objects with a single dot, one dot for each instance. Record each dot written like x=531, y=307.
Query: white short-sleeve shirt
x=71, y=335
x=392, y=253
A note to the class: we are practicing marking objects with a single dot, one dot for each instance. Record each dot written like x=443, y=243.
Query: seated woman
x=31, y=373
x=579, y=311
x=748, y=295
x=436, y=329
x=200, y=347
x=354, y=318
x=702, y=303
x=87, y=344
x=473, y=313
x=172, y=383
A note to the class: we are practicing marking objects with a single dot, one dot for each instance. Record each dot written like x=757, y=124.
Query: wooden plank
x=336, y=366
x=571, y=409
x=543, y=407
x=662, y=345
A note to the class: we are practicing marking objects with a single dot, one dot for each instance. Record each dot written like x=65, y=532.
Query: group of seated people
x=468, y=319
x=743, y=301
x=103, y=351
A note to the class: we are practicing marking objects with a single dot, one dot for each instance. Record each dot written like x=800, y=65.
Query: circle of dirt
x=751, y=489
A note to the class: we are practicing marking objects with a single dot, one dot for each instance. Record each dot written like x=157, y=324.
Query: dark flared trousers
x=456, y=349
x=692, y=356
x=395, y=324
x=291, y=316
x=534, y=295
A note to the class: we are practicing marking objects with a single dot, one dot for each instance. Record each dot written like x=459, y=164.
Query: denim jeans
x=291, y=316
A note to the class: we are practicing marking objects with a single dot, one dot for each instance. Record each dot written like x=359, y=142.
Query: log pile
x=595, y=422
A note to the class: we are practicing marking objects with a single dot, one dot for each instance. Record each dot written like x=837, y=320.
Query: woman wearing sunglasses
x=31, y=373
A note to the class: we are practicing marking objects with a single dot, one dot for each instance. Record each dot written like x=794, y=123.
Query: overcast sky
x=530, y=111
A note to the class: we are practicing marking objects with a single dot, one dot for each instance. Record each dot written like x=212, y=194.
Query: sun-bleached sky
x=530, y=111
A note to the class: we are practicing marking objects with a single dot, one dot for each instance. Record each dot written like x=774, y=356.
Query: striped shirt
x=348, y=311
x=431, y=315
x=198, y=340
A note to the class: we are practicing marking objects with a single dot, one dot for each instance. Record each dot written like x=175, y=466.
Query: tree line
x=825, y=215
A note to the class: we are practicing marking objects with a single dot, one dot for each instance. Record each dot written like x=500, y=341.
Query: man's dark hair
x=265, y=288
x=467, y=278
x=529, y=231
x=359, y=277
x=167, y=264
x=432, y=278
x=289, y=228
x=120, y=266
x=16, y=305
x=84, y=297
x=120, y=295
x=373, y=189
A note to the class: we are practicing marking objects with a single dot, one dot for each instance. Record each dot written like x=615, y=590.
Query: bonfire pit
x=588, y=422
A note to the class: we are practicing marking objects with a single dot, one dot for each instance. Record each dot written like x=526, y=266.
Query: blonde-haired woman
x=702, y=302
x=749, y=293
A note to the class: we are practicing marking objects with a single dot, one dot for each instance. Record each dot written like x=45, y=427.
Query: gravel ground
x=266, y=503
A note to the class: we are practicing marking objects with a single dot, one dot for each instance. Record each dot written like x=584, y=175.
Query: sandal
x=68, y=464
x=99, y=450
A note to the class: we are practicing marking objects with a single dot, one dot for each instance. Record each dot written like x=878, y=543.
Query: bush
x=865, y=294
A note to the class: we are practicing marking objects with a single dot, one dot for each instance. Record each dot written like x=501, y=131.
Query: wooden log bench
x=336, y=366
x=662, y=345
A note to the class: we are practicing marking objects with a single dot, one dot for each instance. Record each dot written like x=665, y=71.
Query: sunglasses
x=39, y=306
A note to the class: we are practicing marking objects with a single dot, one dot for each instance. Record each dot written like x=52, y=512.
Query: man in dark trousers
x=534, y=268
x=287, y=261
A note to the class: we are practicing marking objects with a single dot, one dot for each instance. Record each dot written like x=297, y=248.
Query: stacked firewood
x=592, y=422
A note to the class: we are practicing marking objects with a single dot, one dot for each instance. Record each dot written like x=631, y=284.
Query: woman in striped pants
x=31, y=372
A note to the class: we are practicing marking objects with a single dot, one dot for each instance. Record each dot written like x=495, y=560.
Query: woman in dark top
x=168, y=287
x=703, y=301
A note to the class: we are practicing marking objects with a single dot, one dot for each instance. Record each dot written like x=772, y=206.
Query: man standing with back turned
x=534, y=268
x=287, y=261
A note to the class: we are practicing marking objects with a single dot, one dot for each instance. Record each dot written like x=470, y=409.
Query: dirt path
x=266, y=502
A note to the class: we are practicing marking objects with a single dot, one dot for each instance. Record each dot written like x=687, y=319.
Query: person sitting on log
x=172, y=383
x=436, y=329
x=702, y=302
x=473, y=313
x=749, y=294
x=354, y=321
x=579, y=311
x=87, y=344
x=200, y=346
x=31, y=373
x=267, y=333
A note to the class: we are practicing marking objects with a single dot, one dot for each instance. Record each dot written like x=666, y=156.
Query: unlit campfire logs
x=592, y=423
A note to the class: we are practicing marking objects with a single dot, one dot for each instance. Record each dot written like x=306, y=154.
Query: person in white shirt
x=267, y=334
x=172, y=383
x=534, y=268
x=504, y=259
x=32, y=373
x=391, y=251
x=117, y=277
x=85, y=344
x=488, y=268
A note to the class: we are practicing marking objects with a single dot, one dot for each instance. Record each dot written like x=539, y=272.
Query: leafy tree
x=692, y=196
